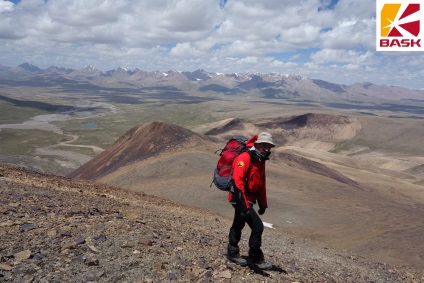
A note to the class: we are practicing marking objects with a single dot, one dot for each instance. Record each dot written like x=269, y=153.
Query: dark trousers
x=255, y=241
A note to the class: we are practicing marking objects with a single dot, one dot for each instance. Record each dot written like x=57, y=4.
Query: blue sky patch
x=327, y=5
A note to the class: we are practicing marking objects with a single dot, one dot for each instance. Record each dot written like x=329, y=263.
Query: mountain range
x=264, y=85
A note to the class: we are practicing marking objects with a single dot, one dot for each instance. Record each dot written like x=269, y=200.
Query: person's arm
x=240, y=170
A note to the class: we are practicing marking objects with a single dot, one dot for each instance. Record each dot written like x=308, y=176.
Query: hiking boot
x=238, y=259
x=262, y=264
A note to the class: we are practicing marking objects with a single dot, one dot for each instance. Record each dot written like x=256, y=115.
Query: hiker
x=248, y=186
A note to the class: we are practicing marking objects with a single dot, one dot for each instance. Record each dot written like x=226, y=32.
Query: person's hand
x=261, y=210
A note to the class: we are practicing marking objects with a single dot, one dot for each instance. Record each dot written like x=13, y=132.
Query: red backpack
x=223, y=171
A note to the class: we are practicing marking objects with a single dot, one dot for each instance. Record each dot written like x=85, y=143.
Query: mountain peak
x=198, y=75
x=29, y=67
x=139, y=143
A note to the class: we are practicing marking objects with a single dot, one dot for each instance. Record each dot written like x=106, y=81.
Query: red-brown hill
x=140, y=143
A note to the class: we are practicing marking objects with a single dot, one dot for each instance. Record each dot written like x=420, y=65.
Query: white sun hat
x=265, y=137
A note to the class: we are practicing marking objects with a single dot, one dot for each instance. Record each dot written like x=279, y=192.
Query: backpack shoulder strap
x=246, y=189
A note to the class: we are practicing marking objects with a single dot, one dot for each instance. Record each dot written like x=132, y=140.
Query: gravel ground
x=54, y=229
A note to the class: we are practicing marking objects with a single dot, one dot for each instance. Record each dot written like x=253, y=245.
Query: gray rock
x=27, y=227
x=92, y=262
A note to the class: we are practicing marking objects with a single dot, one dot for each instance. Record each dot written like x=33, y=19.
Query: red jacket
x=254, y=174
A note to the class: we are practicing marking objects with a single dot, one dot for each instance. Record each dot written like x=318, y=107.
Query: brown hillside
x=140, y=143
x=225, y=125
x=310, y=127
x=324, y=127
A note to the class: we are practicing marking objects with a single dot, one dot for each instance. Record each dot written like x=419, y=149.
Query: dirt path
x=79, y=158
x=96, y=149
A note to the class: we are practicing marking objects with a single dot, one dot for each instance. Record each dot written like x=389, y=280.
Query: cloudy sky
x=333, y=40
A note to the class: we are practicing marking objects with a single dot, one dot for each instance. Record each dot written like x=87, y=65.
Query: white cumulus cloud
x=308, y=37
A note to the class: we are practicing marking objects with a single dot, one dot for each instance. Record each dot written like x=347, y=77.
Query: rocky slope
x=57, y=230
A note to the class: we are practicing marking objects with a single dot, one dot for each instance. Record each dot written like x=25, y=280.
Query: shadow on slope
x=305, y=164
x=38, y=104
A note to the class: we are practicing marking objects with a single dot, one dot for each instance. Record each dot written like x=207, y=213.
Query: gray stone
x=26, y=227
